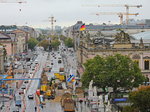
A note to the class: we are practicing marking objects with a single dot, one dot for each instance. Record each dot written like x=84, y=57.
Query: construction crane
x=118, y=5
x=52, y=20
x=120, y=14
x=17, y=1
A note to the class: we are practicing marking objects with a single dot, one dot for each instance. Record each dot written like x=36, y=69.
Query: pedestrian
x=35, y=109
x=42, y=106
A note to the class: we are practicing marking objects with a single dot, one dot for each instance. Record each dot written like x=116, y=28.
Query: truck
x=67, y=102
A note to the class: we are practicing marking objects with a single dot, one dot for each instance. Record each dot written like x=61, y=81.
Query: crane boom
x=120, y=14
x=118, y=5
x=18, y=1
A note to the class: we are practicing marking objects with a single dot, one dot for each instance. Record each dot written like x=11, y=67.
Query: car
x=23, y=87
x=26, y=81
x=18, y=101
x=36, y=61
x=60, y=86
x=15, y=109
x=21, y=92
x=59, y=61
x=31, y=96
x=51, y=97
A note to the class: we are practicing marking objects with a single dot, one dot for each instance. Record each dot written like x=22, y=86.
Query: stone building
x=22, y=38
x=88, y=46
x=1, y=59
x=10, y=43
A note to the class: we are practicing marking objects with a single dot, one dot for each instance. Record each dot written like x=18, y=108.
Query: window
x=146, y=65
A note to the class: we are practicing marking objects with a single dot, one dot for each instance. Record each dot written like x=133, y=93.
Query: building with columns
x=1, y=59
x=10, y=43
x=88, y=46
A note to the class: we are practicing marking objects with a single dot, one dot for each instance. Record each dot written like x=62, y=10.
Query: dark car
x=59, y=61
x=31, y=96
x=23, y=87
x=51, y=97
x=60, y=86
x=26, y=81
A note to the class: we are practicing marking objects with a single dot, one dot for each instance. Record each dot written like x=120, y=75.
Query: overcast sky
x=66, y=12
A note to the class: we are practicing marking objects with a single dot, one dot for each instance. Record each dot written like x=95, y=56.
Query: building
x=22, y=38
x=88, y=46
x=10, y=44
x=1, y=59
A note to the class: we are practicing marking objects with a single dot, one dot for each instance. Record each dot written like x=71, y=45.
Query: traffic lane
x=52, y=107
x=34, y=86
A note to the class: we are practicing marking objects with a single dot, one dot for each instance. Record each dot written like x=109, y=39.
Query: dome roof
x=143, y=35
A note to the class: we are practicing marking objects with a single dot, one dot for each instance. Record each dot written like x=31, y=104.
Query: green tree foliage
x=55, y=43
x=112, y=71
x=32, y=42
x=141, y=99
x=44, y=43
x=69, y=42
x=123, y=72
x=62, y=37
x=41, y=37
x=130, y=109
x=94, y=70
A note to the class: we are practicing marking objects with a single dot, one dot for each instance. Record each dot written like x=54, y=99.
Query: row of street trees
x=44, y=41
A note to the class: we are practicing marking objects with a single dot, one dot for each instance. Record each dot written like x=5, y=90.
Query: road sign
x=120, y=99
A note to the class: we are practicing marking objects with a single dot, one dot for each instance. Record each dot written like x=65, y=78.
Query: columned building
x=138, y=50
x=1, y=59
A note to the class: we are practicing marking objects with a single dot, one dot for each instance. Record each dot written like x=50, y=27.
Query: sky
x=36, y=13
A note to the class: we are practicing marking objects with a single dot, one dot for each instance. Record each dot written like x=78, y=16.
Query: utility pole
x=52, y=20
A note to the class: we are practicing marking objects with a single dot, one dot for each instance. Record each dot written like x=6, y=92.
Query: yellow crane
x=118, y=5
x=120, y=14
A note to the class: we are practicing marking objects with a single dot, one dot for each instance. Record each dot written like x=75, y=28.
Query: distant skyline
x=35, y=13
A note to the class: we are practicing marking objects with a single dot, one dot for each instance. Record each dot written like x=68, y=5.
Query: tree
x=112, y=71
x=140, y=99
x=130, y=109
x=69, y=42
x=32, y=42
x=45, y=44
x=41, y=37
x=55, y=43
x=62, y=37
x=123, y=72
x=94, y=70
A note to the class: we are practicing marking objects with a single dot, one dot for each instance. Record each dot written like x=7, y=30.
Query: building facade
x=22, y=38
x=9, y=43
x=1, y=60
x=138, y=50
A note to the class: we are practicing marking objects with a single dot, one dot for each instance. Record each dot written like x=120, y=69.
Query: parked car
x=59, y=61
x=18, y=101
x=60, y=86
x=21, y=92
x=26, y=81
x=15, y=109
x=23, y=87
x=31, y=96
